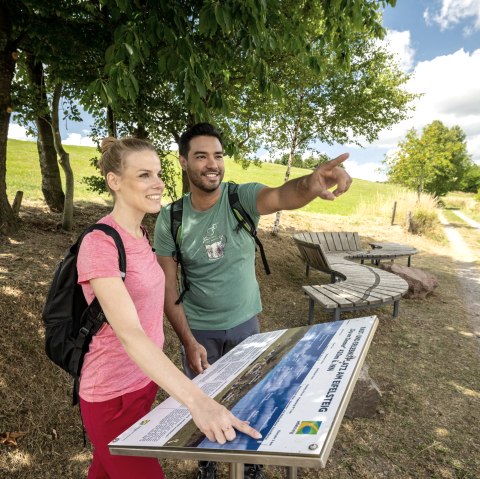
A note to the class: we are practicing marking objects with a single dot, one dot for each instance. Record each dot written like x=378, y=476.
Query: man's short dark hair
x=200, y=129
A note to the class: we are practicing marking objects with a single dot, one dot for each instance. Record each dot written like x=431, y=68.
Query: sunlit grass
x=23, y=173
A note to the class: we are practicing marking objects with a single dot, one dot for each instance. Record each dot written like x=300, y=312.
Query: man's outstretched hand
x=327, y=175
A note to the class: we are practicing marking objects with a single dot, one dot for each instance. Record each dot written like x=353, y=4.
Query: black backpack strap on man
x=244, y=221
x=176, y=214
x=70, y=323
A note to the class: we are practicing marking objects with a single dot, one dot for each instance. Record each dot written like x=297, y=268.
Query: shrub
x=423, y=221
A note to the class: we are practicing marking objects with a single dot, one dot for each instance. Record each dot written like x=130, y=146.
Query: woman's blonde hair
x=115, y=150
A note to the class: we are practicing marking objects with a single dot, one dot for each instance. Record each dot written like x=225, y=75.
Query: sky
x=438, y=43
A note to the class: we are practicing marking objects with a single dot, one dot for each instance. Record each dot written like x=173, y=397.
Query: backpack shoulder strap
x=113, y=233
x=176, y=216
x=245, y=221
x=93, y=317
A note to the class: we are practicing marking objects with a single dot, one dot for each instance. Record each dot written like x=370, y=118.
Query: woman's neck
x=129, y=221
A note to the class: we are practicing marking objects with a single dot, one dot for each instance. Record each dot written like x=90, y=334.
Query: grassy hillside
x=23, y=173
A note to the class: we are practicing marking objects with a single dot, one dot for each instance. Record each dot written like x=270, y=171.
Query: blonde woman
x=125, y=363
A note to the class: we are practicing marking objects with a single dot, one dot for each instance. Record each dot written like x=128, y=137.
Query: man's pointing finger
x=336, y=161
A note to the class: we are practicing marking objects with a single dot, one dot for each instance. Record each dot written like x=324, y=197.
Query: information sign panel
x=293, y=386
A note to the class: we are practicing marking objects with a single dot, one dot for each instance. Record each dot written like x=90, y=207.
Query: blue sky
x=438, y=42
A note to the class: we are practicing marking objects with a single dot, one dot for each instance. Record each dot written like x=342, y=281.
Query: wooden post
x=409, y=222
x=394, y=211
x=16, y=203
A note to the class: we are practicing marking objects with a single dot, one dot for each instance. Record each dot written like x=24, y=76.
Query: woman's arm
x=214, y=420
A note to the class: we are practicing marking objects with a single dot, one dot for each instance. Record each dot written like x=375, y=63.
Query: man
x=220, y=306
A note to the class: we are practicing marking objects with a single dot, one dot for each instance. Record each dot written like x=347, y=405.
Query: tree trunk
x=111, y=123
x=8, y=222
x=293, y=148
x=51, y=180
x=67, y=218
x=140, y=132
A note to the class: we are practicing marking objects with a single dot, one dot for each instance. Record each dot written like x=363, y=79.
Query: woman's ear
x=113, y=181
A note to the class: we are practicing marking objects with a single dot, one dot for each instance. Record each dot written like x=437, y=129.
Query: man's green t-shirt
x=219, y=261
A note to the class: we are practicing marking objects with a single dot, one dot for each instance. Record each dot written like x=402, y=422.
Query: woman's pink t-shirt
x=107, y=370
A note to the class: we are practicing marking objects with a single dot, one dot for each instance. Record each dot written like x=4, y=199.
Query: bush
x=423, y=221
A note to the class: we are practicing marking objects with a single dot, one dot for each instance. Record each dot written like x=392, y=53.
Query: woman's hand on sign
x=218, y=423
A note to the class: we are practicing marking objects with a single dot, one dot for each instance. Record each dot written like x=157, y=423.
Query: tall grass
x=468, y=202
x=418, y=214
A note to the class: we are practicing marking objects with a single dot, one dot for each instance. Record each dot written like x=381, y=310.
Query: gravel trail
x=468, y=270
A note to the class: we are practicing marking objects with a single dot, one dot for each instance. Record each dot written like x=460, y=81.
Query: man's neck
x=202, y=200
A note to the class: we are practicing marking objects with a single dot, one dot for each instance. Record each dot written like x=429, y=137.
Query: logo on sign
x=308, y=427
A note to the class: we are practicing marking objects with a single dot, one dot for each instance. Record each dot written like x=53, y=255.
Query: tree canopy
x=157, y=67
x=435, y=161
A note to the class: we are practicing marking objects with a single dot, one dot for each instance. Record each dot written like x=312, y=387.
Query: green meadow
x=23, y=173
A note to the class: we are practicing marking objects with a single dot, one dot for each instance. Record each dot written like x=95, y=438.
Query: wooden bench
x=350, y=242
x=353, y=286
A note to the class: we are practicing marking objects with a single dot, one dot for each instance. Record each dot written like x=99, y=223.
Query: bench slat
x=355, y=297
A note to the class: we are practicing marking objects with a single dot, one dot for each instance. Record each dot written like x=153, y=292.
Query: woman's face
x=139, y=185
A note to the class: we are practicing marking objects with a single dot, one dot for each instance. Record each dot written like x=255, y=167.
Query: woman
x=125, y=363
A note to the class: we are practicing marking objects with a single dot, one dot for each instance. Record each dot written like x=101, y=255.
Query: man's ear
x=183, y=162
x=113, y=181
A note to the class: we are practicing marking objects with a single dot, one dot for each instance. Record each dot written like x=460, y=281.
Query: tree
x=26, y=27
x=435, y=162
x=471, y=180
x=33, y=112
x=214, y=58
x=337, y=104
x=198, y=52
x=8, y=56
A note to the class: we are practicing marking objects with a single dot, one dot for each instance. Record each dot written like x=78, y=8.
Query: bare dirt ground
x=425, y=362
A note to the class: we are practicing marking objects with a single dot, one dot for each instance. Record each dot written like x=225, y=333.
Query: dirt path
x=464, y=217
x=467, y=269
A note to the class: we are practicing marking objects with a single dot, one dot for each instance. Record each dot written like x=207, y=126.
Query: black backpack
x=70, y=323
x=244, y=221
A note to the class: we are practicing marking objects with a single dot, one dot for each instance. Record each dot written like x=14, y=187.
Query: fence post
x=17, y=202
x=394, y=211
x=409, y=222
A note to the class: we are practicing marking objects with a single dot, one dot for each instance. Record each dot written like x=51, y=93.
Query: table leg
x=291, y=472
x=236, y=470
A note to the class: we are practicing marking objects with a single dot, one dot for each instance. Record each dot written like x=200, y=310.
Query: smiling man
x=218, y=306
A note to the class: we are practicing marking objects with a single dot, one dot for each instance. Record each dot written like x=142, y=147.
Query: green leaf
x=134, y=83
x=219, y=15
x=227, y=18
x=200, y=88
x=110, y=54
x=128, y=48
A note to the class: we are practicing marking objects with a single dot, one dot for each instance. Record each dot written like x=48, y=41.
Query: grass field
x=23, y=173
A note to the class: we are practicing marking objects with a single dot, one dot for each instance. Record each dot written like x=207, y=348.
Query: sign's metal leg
x=291, y=472
x=236, y=470
x=311, y=314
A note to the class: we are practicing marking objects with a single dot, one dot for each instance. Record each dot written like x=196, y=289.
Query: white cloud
x=451, y=90
x=365, y=171
x=452, y=12
x=78, y=139
x=398, y=43
x=18, y=132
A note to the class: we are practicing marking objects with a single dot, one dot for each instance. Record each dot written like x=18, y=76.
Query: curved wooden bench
x=350, y=242
x=354, y=286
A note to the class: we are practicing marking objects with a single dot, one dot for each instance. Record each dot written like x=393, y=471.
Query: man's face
x=204, y=166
